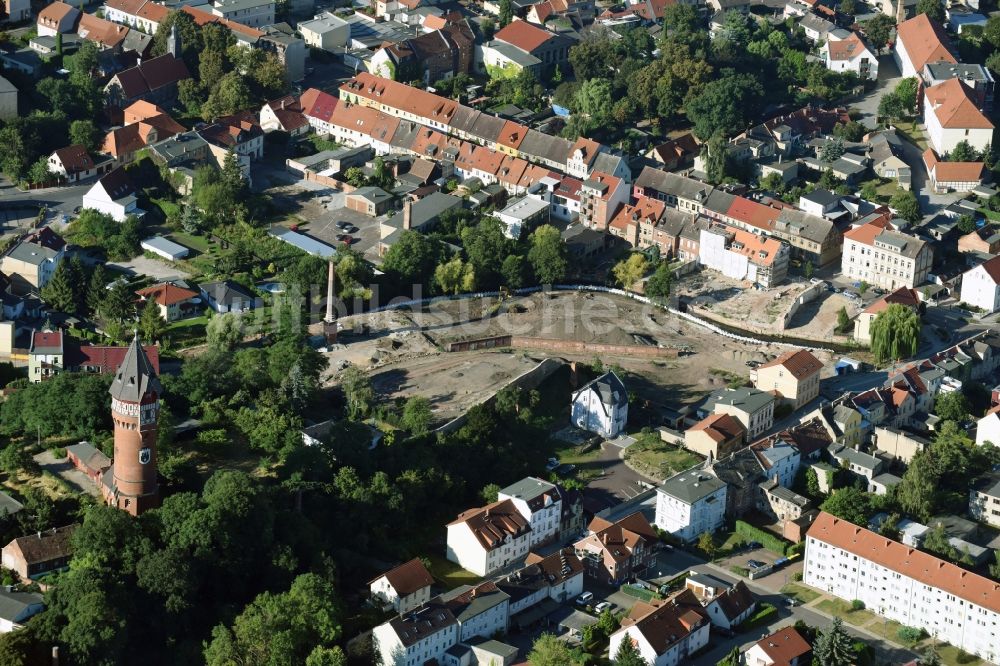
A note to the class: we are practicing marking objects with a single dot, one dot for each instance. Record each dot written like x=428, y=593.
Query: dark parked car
x=756, y=564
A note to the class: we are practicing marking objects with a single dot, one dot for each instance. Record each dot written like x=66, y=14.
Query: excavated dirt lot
x=403, y=349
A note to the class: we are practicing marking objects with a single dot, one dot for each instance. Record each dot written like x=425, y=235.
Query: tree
x=512, y=271
x=808, y=269
x=706, y=544
x=833, y=646
x=963, y=152
x=895, y=333
x=151, y=322
x=548, y=255
x=489, y=28
x=850, y=504
x=455, y=276
x=933, y=8
x=905, y=203
x=716, y=153
x=505, y=12
x=832, y=150
x=358, y=391
x=891, y=107
x=84, y=133
x=952, y=406
x=843, y=320
x=659, y=283
x=734, y=658
x=863, y=287
x=489, y=493
x=907, y=90
x=548, y=650
x=850, y=131
x=966, y=224
x=848, y=7
x=39, y=172
x=417, y=415
x=725, y=105
x=61, y=292
x=229, y=95
x=879, y=30
x=936, y=541
x=812, y=483
x=629, y=271
x=628, y=654
x=594, y=101
x=412, y=259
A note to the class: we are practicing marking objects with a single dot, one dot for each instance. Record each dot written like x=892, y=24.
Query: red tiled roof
x=167, y=293
x=408, y=577
x=800, y=363
x=512, y=134
x=784, y=646
x=918, y=565
x=46, y=340
x=952, y=104
x=752, y=213
x=107, y=359
x=720, y=427
x=75, y=159
x=866, y=233
x=992, y=268
x=924, y=41
x=903, y=296
x=55, y=12
x=103, y=32
x=848, y=49
x=318, y=104
x=523, y=35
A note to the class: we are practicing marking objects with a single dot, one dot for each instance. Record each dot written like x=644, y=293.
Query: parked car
x=603, y=606
x=343, y=225
x=565, y=470
x=351, y=229
x=344, y=238
x=584, y=598
x=551, y=464
x=756, y=564
x=754, y=545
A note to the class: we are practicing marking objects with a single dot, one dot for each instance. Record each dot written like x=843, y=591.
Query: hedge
x=763, y=616
x=771, y=542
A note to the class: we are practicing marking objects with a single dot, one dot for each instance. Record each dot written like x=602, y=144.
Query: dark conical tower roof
x=135, y=376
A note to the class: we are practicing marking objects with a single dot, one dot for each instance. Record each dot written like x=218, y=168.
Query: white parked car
x=584, y=598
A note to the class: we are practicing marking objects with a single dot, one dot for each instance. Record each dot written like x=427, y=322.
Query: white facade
x=252, y=13
x=325, y=31
x=674, y=655
x=895, y=595
x=688, y=517
x=601, y=406
x=382, y=589
x=944, y=140
x=466, y=550
x=988, y=429
x=980, y=288
x=394, y=652
x=542, y=509
x=98, y=199
x=883, y=263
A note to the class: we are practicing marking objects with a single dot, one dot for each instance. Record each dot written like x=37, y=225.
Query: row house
x=558, y=576
x=432, y=56
x=614, y=553
x=779, y=459
x=974, y=359
x=685, y=194
x=145, y=125
x=810, y=238
x=285, y=114
x=601, y=195
x=919, y=41
x=839, y=421
x=144, y=15
x=786, y=133
x=901, y=583
x=540, y=502
x=716, y=435
x=665, y=632
x=318, y=108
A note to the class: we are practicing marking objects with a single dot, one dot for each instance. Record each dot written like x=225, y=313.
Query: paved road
x=63, y=199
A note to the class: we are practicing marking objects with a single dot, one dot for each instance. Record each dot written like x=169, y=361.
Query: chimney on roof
x=407, y=215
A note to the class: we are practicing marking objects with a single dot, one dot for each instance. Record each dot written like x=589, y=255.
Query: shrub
x=857, y=605
x=910, y=635
x=797, y=576
x=764, y=615
x=771, y=542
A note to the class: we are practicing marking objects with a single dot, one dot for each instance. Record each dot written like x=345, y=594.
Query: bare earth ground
x=732, y=302
x=403, y=349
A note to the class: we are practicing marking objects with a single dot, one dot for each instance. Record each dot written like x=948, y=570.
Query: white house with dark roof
x=403, y=588
x=540, y=502
x=988, y=428
x=731, y=607
x=691, y=503
x=113, y=194
x=16, y=608
x=417, y=637
x=228, y=296
x=601, y=406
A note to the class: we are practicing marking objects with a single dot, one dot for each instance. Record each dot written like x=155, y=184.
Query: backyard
x=845, y=611
x=652, y=457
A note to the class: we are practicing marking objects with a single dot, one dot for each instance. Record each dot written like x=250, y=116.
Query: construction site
x=458, y=353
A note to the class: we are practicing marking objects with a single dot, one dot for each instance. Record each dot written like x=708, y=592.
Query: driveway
x=888, y=77
x=65, y=470
x=616, y=482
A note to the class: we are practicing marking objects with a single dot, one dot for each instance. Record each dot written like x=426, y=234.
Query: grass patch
x=801, y=593
x=764, y=614
x=732, y=379
x=655, y=458
x=640, y=593
x=573, y=454
x=914, y=135
x=842, y=609
x=197, y=243
x=952, y=656
x=187, y=332
x=990, y=214
x=450, y=574
x=740, y=571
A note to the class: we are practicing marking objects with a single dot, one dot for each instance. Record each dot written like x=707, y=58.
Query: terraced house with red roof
x=904, y=584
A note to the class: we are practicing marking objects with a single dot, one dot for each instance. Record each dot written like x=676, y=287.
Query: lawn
x=574, y=454
x=197, y=243
x=952, y=656
x=842, y=609
x=803, y=594
x=914, y=135
x=187, y=332
x=450, y=574
x=655, y=458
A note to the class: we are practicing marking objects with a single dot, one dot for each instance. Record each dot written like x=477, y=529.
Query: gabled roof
x=735, y=600
x=953, y=172
x=992, y=268
x=784, y=646
x=107, y=359
x=523, y=35
x=918, y=565
x=318, y=104
x=849, y=49
x=46, y=342
x=103, y=32
x=952, y=104
x=924, y=40
x=55, y=12
x=117, y=184
x=493, y=523
x=152, y=75
x=408, y=577
x=752, y=213
x=46, y=546
x=800, y=363
x=75, y=159
x=610, y=389
x=720, y=427
x=665, y=623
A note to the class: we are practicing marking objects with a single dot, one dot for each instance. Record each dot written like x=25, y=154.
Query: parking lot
x=325, y=229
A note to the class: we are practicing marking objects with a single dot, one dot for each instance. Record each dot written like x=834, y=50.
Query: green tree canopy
x=895, y=333
x=851, y=504
x=548, y=255
x=725, y=105
x=833, y=646
x=906, y=205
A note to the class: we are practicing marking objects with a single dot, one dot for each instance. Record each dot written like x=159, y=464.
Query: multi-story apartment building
x=416, y=637
x=404, y=588
x=558, y=576
x=486, y=539
x=981, y=285
x=253, y=13
x=883, y=257
x=540, y=502
x=904, y=584
x=753, y=408
x=984, y=499
x=794, y=376
x=691, y=503
x=742, y=255
x=616, y=552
